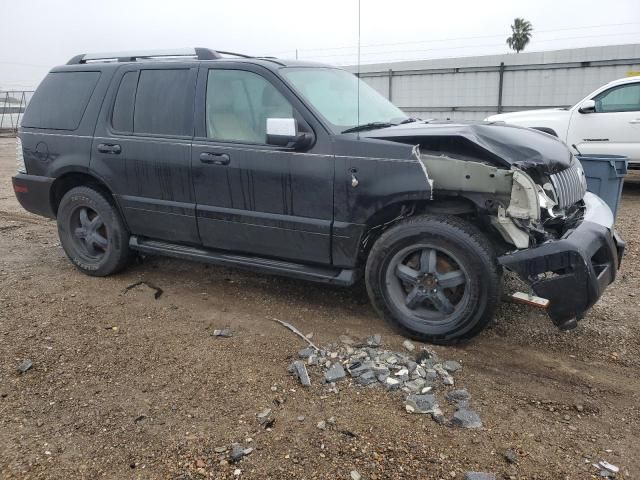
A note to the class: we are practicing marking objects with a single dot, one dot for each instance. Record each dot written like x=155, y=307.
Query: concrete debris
x=263, y=416
x=223, y=332
x=421, y=403
x=374, y=341
x=306, y=352
x=408, y=345
x=237, y=452
x=458, y=396
x=609, y=466
x=510, y=456
x=335, y=373
x=466, y=418
x=301, y=371
x=451, y=366
x=25, y=366
x=421, y=375
x=479, y=476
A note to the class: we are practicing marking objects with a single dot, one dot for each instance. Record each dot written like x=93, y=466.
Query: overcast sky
x=38, y=34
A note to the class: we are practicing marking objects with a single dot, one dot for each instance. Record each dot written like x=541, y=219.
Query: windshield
x=334, y=93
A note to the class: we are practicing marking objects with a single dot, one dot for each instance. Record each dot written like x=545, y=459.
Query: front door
x=614, y=127
x=252, y=197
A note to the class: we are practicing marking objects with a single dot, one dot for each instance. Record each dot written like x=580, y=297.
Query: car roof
x=182, y=55
x=622, y=81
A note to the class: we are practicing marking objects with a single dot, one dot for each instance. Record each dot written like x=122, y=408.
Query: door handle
x=109, y=148
x=215, y=158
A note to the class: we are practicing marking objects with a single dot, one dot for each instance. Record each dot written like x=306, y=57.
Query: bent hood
x=499, y=144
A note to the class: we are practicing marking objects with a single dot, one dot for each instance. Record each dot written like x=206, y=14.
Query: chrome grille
x=570, y=184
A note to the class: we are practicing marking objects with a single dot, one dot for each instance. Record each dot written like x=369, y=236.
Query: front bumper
x=577, y=268
x=34, y=193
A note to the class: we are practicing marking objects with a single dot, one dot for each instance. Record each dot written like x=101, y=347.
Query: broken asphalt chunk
x=374, y=340
x=451, y=366
x=421, y=403
x=237, y=452
x=222, y=332
x=334, y=373
x=25, y=366
x=301, y=371
x=263, y=416
x=306, y=352
x=479, y=476
x=466, y=418
x=457, y=396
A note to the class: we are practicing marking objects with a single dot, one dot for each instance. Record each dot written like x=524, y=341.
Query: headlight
x=20, y=166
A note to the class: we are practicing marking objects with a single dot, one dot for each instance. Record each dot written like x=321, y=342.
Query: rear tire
x=92, y=232
x=434, y=279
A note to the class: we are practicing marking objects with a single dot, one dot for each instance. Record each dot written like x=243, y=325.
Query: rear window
x=164, y=103
x=60, y=100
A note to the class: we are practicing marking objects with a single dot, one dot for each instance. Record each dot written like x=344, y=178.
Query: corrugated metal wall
x=469, y=88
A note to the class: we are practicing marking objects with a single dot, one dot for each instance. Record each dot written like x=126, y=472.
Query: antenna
x=358, y=70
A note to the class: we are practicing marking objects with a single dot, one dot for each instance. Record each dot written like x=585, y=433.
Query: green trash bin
x=605, y=176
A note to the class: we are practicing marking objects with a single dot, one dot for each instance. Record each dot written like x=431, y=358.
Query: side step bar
x=336, y=276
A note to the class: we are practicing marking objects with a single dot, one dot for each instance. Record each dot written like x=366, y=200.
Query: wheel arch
x=72, y=179
x=388, y=215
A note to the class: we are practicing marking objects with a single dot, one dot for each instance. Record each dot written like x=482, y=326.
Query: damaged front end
x=562, y=237
x=530, y=188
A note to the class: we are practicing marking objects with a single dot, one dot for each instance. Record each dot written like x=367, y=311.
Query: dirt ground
x=127, y=386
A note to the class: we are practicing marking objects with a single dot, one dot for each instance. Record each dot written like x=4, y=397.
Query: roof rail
x=133, y=56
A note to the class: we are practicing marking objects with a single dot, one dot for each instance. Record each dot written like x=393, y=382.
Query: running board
x=336, y=276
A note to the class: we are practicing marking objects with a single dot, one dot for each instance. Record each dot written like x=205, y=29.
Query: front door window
x=238, y=104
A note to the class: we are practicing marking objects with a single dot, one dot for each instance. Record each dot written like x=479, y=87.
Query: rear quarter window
x=60, y=100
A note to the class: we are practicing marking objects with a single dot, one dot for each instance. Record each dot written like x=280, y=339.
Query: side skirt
x=335, y=276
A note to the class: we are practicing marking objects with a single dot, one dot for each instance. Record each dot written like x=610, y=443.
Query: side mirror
x=283, y=132
x=588, y=106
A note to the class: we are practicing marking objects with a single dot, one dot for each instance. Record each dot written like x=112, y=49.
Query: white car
x=606, y=121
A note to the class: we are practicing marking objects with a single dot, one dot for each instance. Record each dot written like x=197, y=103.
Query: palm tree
x=520, y=34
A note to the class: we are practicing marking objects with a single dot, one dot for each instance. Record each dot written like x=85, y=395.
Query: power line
x=387, y=52
x=454, y=38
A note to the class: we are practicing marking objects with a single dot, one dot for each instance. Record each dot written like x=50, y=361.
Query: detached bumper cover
x=34, y=193
x=578, y=267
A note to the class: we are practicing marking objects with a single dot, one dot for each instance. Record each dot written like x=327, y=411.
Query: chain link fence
x=12, y=105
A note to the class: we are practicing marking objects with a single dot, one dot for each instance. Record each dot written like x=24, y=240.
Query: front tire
x=92, y=232
x=434, y=278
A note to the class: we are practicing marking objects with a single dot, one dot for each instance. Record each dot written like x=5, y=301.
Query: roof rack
x=133, y=56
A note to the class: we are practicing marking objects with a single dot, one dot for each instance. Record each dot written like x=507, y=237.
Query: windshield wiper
x=408, y=120
x=369, y=126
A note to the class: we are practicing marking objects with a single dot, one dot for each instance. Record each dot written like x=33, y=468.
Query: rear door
x=253, y=197
x=142, y=149
x=614, y=127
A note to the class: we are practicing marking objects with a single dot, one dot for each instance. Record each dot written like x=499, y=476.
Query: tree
x=520, y=34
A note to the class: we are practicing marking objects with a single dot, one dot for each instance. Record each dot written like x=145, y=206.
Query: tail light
x=20, y=166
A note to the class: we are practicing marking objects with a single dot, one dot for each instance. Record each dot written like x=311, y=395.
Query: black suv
x=301, y=169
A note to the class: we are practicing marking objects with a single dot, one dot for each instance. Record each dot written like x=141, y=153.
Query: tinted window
x=239, y=103
x=164, y=102
x=60, y=100
x=625, y=98
x=122, y=118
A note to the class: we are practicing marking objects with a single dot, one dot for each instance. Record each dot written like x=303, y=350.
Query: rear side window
x=164, y=102
x=60, y=100
x=122, y=117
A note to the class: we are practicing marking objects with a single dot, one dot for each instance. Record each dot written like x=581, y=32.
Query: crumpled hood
x=500, y=144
